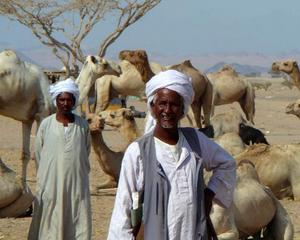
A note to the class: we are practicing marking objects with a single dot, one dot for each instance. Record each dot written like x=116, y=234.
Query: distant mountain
x=243, y=69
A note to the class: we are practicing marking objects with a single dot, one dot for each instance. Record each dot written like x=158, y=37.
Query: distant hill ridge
x=243, y=69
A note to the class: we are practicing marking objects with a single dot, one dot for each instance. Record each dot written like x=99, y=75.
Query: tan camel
x=229, y=87
x=94, y=67
x=278, y=167
x=289, y=67
x=254, y=208
x=14, y=199
x=293, y=108
x=136, y=72
x=109, y=161
x=24, y=97
x=231, y=142
x=203, y=91
x=123, y=120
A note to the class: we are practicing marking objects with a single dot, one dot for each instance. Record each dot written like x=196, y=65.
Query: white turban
x=173, y=80
x=67, y=85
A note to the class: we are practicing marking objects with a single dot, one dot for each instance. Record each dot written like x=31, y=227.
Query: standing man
x=163, y=170
x=62, y=207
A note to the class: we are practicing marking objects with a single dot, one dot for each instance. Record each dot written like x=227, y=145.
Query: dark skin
x=65, y=103
x=168, y=110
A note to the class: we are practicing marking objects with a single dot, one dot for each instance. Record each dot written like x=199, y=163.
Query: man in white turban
x=172, y=80
x=162, y=172
x=62, y=206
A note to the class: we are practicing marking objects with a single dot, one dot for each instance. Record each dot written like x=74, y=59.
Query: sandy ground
x=279, y=128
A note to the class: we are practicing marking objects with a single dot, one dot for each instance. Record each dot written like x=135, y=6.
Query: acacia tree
x=64, y=25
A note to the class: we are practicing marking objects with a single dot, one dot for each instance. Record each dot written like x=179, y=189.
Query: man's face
x=65, y=102
x=167, y=108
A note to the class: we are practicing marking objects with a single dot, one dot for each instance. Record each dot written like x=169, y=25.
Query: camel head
x=117, y=118
x=246, y=169
x=139, y=59
x=287, y=66
x=96, y=123
x=293, y=108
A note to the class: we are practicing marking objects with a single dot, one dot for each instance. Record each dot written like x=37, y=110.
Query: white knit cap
x=68, y=86
x=173, y=80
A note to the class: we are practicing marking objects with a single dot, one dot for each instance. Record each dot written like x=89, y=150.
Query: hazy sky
x=197, y=27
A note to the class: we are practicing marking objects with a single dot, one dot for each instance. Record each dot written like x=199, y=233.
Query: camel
x=15, y=201
x=231, y=142
x=94, y=67
x=289, y=67
x=293, y=108
x=254, y=208
x=109, y=161
x=24, y=97
x=123, y=120
x=136, y=72
x=229, y=87
x=157, y=68
x=203, y=91
x=278, y=167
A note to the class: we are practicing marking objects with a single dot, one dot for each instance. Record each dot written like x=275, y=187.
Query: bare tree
x=64, y=25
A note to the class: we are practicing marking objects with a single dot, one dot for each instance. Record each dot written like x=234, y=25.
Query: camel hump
x=258, y=149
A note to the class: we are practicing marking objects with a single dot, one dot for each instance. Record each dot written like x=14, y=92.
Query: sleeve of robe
x=131, y=180
x=223, y=167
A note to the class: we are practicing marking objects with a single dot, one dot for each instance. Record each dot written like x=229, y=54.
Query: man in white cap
x=162, y=172
x=62, y=208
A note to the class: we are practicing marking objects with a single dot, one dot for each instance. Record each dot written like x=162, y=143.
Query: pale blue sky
x=196, y=27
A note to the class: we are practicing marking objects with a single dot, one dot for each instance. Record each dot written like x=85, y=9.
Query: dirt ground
x=279, y=128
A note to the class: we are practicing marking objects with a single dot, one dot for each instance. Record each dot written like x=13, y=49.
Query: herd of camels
x=269, y=171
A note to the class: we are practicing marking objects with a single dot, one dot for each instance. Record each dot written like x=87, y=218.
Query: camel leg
x=196, y=107
x=26, y=130
x=207, y=103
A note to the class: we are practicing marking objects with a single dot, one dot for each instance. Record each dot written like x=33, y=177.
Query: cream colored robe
x=62, y=209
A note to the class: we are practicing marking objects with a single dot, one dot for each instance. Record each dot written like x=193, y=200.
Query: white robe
x=182, y=177
x=62, y=208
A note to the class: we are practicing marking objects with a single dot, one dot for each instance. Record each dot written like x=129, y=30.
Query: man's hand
x=208, y=197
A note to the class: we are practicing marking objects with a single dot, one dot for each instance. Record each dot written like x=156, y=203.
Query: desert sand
x=270, y=117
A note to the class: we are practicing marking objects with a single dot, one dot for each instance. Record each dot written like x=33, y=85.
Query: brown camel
x=136, y=72
x=229, y=87
x=289, y=67
x=109, y=161
x=203, y=91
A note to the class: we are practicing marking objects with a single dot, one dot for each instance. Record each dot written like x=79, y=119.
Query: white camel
x=135, y=72
x=278, y=167
x=93, y=68
x=123, y=120
x=14, y=199
x=254, y=208
x=289, y=67
x=24, y=97
x=229, y=87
